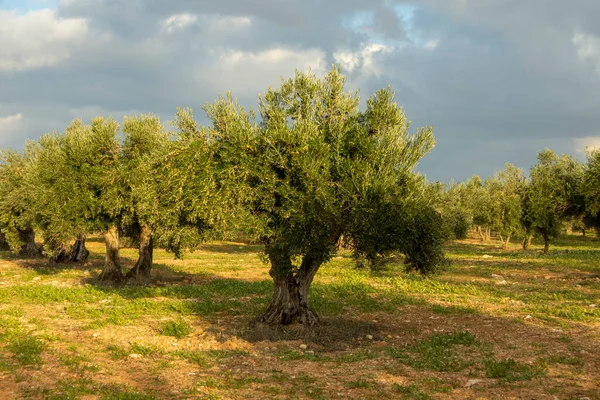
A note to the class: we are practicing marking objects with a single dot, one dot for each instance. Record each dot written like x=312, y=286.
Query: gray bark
x=77, y=252
x=289, y=303
x=111, y=271
x=143, y=266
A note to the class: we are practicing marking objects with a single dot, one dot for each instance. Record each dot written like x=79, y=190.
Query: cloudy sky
x=499, y=80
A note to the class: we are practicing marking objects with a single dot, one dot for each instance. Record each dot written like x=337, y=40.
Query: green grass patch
x=564, y=359
x=509, y=370
x=178, y=329
x=360, y=383
x=412, y=392
x=437, y=353
x=26, y=348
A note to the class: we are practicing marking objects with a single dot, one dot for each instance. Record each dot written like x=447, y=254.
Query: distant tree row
x=305, y=174
x=559, y=193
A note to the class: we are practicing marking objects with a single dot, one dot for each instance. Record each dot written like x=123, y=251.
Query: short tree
x=505, y=202
x=555, y=185
x=481, y=206
x=54, y=191
x=591, y=191
x=16, y=205
x=142, y=150
x=316, y=169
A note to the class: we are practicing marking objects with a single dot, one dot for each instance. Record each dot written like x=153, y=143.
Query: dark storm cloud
x=499, y=80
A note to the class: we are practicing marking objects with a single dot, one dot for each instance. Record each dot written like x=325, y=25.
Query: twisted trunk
x=28, y=249
x=546, y=243
x=77, y=252
x=527, y=241
x=111, y=271
x=289, y=303
x=143, y=266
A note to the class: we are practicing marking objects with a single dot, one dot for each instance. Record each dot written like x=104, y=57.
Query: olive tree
x=505, y=202
x=481, y=206
x=54, y=193
x=16, y=212
x=552, y=196
x=144, y=144
x=313, y=170
x=78, y=181
x=591, y=190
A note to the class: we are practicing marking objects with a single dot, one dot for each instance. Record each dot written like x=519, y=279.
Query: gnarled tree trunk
x=143, y=266
x=289, y=303
x=546, y=243
x=111, y=271
x=28, y=249
x=77, y=252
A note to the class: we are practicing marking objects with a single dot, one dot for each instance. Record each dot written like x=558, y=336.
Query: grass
x=436, y=353
x=384, y=334
x=510, y=370
x=178, y=329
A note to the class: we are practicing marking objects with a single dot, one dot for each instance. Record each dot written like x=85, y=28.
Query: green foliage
x=454, y=205
x=75, y=180
x=27, y=349
x=505, y=201
x=320, y=168
x=16, y=211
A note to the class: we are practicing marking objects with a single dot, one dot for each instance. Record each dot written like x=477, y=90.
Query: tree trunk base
x=141, y=269
x=289, y=303
x=113, y=275
x=29, y=250
x=74, y=253
x=281, y=315
x=112, y=265
x=143, y=266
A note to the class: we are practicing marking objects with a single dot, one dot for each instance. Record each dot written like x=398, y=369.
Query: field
x=497, y=324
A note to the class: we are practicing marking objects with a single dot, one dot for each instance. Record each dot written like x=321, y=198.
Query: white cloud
x=432, y=44
x=249, y=73
x=37, y=39
x=588, y=48
x=224, y=23
x=586, y=144
x=178, y=21
x=363, y=59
